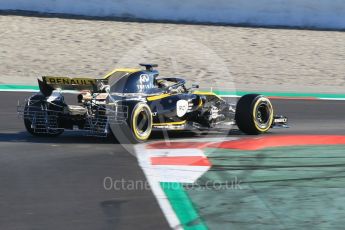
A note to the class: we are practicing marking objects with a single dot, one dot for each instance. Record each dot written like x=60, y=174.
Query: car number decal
x=181, y=107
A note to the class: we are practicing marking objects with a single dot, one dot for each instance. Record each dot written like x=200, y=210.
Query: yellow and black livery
x=132, y=103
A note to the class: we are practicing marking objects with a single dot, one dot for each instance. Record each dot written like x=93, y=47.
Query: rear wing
x=66, y=83
x=49, y=83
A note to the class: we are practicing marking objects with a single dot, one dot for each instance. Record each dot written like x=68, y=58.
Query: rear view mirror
x=195, y=86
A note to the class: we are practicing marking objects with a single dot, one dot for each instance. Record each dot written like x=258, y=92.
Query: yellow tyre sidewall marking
x=263, y=99
x=136, y=112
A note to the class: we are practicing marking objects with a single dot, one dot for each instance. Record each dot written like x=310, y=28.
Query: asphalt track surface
x=57, y=183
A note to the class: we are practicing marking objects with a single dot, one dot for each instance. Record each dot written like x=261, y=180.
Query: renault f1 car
x=131, y=103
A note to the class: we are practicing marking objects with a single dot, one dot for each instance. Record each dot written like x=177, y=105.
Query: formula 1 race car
x=131, y=103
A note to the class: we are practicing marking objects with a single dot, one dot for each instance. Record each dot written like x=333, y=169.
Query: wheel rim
x=263, y=115
x=142, y=123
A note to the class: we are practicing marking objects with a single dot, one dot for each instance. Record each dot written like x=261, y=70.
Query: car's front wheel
x=254, y=114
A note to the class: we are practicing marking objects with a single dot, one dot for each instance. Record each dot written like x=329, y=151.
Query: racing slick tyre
x=138, y=125
x=28, y=123
x=254, y=114
x=141, y=122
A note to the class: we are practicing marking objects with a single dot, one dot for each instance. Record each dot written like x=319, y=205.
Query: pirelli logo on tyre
x=68, y=81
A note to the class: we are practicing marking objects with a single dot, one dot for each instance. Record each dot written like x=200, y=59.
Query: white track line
x=331, y=99
x=232, y=96
x=19, y=90
x=145, y=164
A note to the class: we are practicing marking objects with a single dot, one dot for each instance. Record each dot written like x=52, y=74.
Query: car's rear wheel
x=138, y=125
x=40, y=129
x=141, y=122
x=254, y=114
